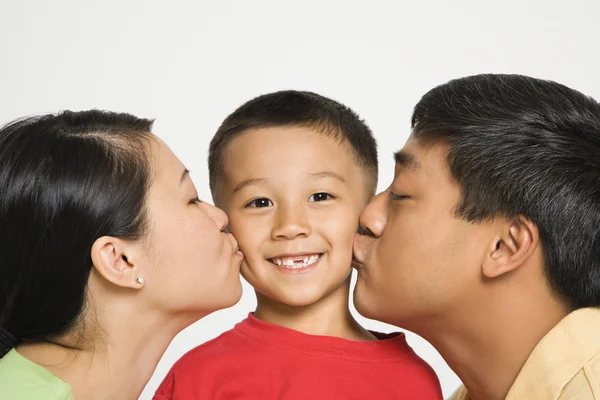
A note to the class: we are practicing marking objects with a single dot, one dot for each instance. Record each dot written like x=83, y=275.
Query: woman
x=106, y=253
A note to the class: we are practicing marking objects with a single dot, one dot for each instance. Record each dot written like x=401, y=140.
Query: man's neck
x=329, y=316
x=487, y=345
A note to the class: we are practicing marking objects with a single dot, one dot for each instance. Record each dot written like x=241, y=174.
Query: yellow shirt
x=565, y=364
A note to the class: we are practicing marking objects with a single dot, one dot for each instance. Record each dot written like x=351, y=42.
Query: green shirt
x=21, y=379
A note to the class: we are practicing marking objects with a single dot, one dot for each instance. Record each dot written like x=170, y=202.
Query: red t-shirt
x=261, y=361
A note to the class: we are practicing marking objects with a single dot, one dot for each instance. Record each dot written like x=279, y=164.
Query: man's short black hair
x=530, y=147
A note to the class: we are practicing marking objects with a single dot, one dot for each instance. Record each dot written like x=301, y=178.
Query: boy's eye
x=320, y=197
x=260, y=203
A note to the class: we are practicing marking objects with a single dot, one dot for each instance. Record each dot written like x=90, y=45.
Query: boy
x=293, y=170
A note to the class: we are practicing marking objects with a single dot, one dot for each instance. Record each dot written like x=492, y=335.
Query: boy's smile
x=296, y=263
x=293, y=196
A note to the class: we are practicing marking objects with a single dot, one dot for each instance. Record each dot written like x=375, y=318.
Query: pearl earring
x=139, y=280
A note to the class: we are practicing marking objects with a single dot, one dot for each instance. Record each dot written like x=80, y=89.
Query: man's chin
x=364, y=301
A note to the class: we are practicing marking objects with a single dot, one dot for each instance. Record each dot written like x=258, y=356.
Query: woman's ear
x=512, y=248
x=115, y=259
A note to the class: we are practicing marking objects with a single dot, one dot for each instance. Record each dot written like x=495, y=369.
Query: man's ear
x=517, y=241
x=115, y=260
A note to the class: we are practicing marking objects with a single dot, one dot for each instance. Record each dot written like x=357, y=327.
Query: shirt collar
x=559, y=356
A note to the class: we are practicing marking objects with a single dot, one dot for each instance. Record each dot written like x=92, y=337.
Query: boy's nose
x=374, y=217
x=290, y=224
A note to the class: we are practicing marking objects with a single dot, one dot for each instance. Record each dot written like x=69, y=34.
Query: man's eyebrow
x=326, y=174
x=407, y=160
x=248, y=182
x=185, y=174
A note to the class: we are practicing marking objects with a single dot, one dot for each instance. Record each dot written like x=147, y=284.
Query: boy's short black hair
x=530, y=147
x=295, y=108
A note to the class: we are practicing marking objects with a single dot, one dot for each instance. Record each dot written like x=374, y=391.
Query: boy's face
x=293, y=196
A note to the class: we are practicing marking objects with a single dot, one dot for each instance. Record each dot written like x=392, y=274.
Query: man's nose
x=374, y=217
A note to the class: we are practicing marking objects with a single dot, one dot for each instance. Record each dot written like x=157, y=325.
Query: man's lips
x=358, y=252
x=355, y=263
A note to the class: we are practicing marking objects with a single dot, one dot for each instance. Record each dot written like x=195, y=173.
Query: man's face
x=418, y=260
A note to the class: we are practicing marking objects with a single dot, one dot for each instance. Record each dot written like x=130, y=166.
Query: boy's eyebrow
x=407, y=160
x=248, y=182
x=315, y=176
x=327, y=174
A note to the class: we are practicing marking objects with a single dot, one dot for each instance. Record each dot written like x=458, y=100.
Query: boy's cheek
x=243, y=229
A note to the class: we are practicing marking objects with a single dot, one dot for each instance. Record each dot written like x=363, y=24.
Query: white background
x=190, y=63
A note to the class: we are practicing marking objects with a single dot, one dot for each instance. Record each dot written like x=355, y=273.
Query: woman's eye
x=195, y=200
x=260, y=203
x=320, y=197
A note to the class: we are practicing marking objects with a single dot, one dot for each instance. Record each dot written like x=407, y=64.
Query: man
x=487, y=242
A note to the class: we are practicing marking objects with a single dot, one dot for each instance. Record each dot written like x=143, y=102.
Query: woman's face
x=192, y=266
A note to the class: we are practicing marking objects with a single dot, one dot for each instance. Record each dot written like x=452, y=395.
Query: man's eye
x=260, y=203
x=320, y=197
x=394, y=196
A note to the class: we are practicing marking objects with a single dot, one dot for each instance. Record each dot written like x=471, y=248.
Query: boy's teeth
x=296, y=262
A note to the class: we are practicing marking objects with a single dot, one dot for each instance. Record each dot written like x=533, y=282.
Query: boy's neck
x=329, y=316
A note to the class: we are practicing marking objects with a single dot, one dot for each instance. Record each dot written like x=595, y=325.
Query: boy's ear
x=116, y=260
x=514, y=246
